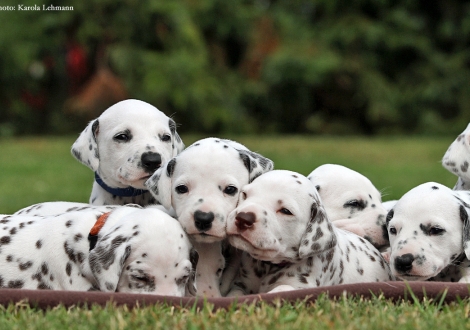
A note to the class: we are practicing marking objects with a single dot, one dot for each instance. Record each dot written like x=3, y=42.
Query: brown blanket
x=395, y=291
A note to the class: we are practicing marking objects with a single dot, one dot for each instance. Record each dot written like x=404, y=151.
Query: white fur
x=102, y=146
x=290, y=243
x=138, y=251
x=430, y=225
x=204, y=181
x=457, y=159
x=352, y=202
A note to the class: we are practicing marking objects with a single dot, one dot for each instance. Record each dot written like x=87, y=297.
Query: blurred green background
x=375, y=67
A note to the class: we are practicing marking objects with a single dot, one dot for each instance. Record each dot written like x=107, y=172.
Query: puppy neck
x=121, y=192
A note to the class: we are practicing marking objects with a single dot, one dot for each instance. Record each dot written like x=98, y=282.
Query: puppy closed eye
x=141, y=278
x=230, y=190
x=182, y=280
x=285, y=211
x=358, y=204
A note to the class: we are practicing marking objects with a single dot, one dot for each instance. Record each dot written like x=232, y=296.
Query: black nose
x=151, y=161
x=245, y=220
x=404, y=263
x=203, y=220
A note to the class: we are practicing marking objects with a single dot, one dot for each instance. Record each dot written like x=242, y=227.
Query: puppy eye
x=182, y=280
x=122, y=137
x=182, y=189
x=436, y=231
x=392, y=231
x=355, y=204
x=230, y=190
x=141, y=278
x=285, y=211
x=165, y=138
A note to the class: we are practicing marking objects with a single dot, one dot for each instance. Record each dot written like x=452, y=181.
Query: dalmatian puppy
x=124, y=146
x=56, y=208
x=429, y=234
x=352, y=202
x=127, y=250
x=202, y=185
x=457, y=159
x=290, y=243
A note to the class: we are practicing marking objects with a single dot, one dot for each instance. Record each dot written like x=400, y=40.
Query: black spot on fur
x=5, y=240
x=38, y=244
x=68, y=269
x=25, y=265
x=18, y=284
x=434, y=188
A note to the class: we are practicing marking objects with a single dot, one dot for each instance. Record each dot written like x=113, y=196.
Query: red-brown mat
x=396, y=291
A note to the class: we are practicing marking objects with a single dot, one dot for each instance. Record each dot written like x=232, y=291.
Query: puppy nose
x=404, y=263
x=203, y=220
x=245, y=220
x=151, y=161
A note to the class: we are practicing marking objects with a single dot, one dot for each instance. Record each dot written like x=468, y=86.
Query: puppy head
x=352, y=202
x=127, y=143
x=428, y=229
x=280, y=218
x=457, y=157
x=203, y=183
x=143, y=251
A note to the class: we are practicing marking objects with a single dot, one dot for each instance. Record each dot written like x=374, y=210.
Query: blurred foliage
x=238, y=66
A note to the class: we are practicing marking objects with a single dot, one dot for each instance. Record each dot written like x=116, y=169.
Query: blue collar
x=121, y=192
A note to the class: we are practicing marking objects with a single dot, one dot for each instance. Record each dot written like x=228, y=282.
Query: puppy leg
x=282, y=288
x=209, y=268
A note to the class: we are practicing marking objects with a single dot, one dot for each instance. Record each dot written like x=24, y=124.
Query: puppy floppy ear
x=319, y=235
x=191, y=285
x=178, y=144
x=107, y=260
x=159, y=184
x=457, y=157
x=466, y=230
x=255, y=163
x=85, y=148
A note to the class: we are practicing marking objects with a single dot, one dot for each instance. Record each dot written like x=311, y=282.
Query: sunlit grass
x=344, y=313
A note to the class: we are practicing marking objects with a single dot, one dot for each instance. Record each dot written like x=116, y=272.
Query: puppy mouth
x=409, y=277
x=244, y=244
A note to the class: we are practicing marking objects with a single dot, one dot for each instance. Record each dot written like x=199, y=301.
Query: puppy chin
x=205, y=238
x=271, y=255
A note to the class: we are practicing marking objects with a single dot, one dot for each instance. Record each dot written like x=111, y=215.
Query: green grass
x=344, y=314
x=34, y=170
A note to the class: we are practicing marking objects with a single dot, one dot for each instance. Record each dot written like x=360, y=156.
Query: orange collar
x=93, y=235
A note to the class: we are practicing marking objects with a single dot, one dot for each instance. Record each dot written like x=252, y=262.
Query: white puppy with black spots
x=126, y=250
x=457, y=159
x=202, y=184
x=124, y=146
x=429, y=234
x=291, y=244
x=352, y=202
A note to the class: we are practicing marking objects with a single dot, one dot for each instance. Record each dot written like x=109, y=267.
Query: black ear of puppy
x=389, y=216
x=170, y=167
x=191, y=286
x=95, y=128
